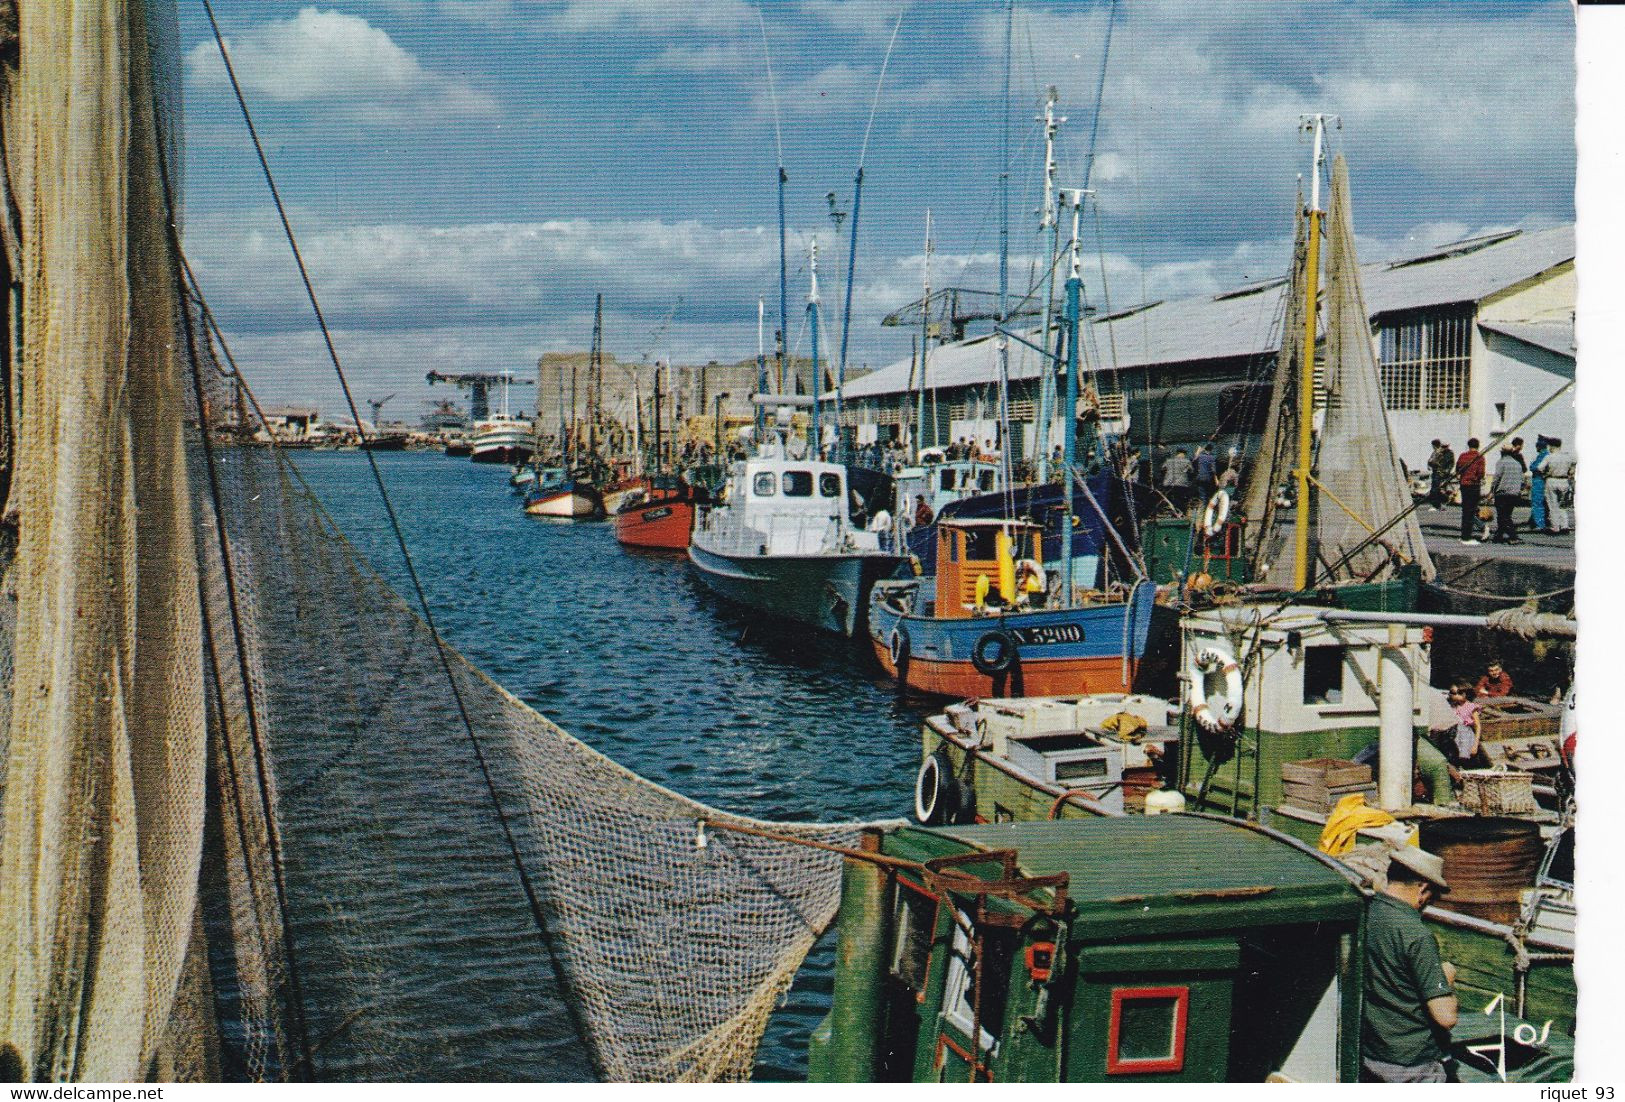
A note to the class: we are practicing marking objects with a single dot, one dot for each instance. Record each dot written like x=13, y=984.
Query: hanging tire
x=935, y=801
x=994, y=653
x=897, y=647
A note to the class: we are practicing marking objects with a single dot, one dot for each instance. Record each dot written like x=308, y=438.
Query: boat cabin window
x=981, y=543
x=797, y=483
x=765, y=485
x=959, y=993
x=829, y=484
x=1323, y=675
x=914, y=919
x=1147, y=1030
x=985, y=481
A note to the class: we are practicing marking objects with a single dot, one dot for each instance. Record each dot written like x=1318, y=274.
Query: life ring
x=1215, y=713
x=994, y=653
x=1216, y=513
x=933, y=790
x=897, y=646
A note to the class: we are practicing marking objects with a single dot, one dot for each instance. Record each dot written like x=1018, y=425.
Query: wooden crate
x=1498, y=792
x=1517, y=717
x=1320, y=798
x=1325, y=772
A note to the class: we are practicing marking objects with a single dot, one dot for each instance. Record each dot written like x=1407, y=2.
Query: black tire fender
x=994, y=653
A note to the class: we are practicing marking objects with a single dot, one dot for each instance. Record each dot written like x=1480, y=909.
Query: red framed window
x=1147, y=1030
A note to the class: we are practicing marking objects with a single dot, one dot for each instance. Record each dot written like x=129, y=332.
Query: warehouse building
x=1469, y=337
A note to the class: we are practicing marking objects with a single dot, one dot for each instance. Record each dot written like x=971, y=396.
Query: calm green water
x=628, y=652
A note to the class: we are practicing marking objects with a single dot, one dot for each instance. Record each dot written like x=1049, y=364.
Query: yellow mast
x=1306, y=365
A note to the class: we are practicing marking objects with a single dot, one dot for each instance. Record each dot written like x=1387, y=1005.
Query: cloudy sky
x=464, y=175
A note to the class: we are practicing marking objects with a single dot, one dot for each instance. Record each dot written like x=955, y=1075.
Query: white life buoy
x=1216, y=513
x=1215, y=713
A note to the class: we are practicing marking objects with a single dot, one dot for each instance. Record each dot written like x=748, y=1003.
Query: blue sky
x=466, y=174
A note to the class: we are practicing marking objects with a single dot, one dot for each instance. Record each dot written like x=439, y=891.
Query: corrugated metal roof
x=1554, y=336
x=1246, y=321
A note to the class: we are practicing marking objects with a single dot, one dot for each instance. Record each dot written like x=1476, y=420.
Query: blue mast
x=1069, y=411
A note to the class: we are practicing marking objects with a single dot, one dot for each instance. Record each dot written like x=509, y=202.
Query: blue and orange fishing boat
x=994, y=622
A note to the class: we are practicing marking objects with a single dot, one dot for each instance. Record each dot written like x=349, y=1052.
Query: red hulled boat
x=660, y=516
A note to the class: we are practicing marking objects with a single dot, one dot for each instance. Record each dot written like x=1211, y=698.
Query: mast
x=846, y=310
x=596, y=376
x=1306, y=368
x=784, y=290
x=1069, y=433
x=761, y=371
x=1004, y=252
x=925, y=349
x=1048, y=219
x=658, y=461
x=574, y=415
x=816, y=434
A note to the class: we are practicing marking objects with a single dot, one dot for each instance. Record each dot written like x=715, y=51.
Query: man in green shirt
x=1410, y=996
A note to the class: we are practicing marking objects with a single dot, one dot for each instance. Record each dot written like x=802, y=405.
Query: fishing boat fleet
x=1290, y=727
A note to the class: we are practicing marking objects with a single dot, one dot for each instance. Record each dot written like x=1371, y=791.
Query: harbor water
x=627, y=651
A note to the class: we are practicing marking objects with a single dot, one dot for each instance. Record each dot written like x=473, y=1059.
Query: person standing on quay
x=1537, y=485
x=1559, y=481
x=1470, y=476
x=1440, y=463
x=1507, y=486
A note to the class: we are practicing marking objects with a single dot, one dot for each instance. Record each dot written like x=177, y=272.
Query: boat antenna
x=783, y=337
x=852, y=244
x=1301, y=572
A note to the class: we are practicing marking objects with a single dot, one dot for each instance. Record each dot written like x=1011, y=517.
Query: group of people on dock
x=1550, y=477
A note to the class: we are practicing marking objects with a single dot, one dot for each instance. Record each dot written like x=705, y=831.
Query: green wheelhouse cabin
x=1175, y=948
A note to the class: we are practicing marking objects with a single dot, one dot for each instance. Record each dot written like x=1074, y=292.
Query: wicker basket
x=1498, y=791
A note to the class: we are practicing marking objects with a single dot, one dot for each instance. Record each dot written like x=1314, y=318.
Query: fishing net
x=1363, y=482
x=258, y=821
x=1359, y=482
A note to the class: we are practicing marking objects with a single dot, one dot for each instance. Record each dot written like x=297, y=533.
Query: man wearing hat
x=1410, y=995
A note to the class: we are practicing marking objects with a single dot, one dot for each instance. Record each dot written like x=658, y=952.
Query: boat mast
x=658, y=461
x=1048, y=219
x=925, y=349
x=1306, y=366
x=1004, y=251
x=761, y=372
x=1069, y=432
x=816, y=439
x=595, y=376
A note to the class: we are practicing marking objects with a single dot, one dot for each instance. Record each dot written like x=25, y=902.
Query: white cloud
x=843, y=89
x=654, y=16
x=715, y=57
x=330, y=60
